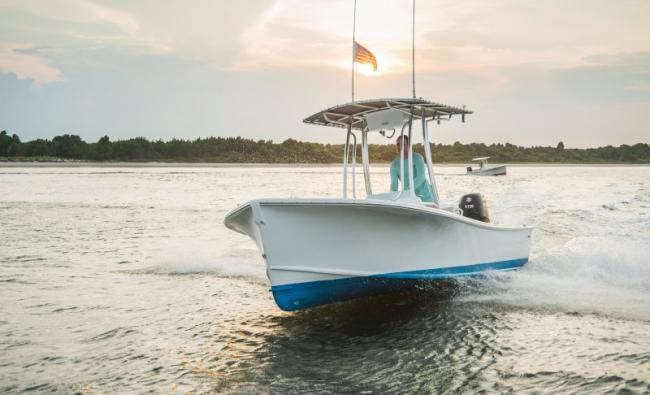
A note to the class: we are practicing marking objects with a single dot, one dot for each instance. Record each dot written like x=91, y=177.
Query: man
x=422, y=186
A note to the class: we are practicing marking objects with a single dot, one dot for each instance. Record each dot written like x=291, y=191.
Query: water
x=123, y=279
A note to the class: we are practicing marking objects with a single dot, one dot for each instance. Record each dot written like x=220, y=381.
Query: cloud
x=26, y=63
x=125, y=21
x=640, y=59
x=67, y=28
x=627, y=73
x=37, y=35
x=128, y=23
x=450, y=35
x=77, y=12
x=293, y=33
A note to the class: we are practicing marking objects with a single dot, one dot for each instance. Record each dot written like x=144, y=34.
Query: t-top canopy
x=340, y=116
x=480, y=159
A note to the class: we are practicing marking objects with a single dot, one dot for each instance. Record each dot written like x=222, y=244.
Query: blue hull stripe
x=290, y=297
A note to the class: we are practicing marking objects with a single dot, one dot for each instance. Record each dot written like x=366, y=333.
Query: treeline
x=241, y=150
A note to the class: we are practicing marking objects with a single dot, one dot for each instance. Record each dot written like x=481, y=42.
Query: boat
x=326, y=250
x=484, y=169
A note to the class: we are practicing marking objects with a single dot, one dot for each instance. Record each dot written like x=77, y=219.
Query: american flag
x=363, y=55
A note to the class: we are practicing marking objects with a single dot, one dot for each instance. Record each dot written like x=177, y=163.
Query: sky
x=534, y=72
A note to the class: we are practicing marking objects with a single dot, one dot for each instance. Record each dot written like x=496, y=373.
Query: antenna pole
x=354, y=25
x=413, y=49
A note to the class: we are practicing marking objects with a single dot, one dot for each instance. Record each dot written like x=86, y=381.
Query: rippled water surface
x=124, y=279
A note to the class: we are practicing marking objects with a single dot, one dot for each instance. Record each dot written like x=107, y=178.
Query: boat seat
x=395, y=197
x=452, y=209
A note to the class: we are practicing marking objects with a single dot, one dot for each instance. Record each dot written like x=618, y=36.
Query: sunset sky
x=534, y=72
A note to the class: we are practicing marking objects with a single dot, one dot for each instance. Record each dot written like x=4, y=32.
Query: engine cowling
x=474, y=206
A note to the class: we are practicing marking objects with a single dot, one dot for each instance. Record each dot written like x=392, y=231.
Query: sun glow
x=366, y=69
x=386, y=64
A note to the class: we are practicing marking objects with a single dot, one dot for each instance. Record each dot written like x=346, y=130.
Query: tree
x=5, y=143
x=68, y=146
x=103, y=149
x=38, y=147
x=10, y=146
x=16, y=147
x=242, y=150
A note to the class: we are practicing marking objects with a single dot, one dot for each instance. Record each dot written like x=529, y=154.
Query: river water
x=123, y=279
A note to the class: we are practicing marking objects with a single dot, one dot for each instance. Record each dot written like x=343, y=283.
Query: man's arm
x=418, y=163
x=393, y=177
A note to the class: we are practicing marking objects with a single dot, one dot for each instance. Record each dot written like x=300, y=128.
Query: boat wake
x=590, y=275
x=221, y=266
x=203, y=259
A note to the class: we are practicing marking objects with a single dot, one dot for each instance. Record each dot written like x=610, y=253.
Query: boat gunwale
x=368, y=203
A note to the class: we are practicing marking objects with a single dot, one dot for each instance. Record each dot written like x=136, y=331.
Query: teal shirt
x=422, y=186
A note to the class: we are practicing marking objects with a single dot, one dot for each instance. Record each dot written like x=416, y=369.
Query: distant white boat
x=484, y=169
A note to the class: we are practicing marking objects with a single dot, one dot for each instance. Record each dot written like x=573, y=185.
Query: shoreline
x=19, y=164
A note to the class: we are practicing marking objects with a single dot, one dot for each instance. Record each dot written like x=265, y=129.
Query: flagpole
x=354, y=23
x=413, y=49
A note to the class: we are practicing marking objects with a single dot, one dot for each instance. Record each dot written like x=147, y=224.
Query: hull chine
x=291, y=297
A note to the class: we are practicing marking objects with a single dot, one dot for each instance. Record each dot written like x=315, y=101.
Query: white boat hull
x=491, y=171
x=321, y=251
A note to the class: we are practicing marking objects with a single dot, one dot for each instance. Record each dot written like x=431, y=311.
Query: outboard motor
x=474, y=207
x=469, y=169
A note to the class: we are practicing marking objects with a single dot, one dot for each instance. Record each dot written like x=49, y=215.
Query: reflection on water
x=125, y=280
x=355, y=346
